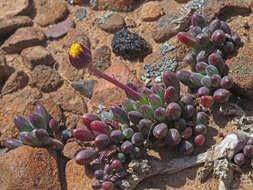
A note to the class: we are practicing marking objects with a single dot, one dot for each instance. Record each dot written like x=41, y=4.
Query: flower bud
x=207, y=101
x=79, y=56
x=83, y=134
x=200, y=67
x=187, y=39
x=84, y=157
x=221, y=95
x=135, y=117
x=22, y=124
x=195, y=78
x=128, y=105
x=40, y=137
x=88, y=118
x=226, y=82
x=13, y=143
x=54, y=125
x=147, y=111
x=174, y=137
x=155, y=101
x=42, y=112
x=215, y=80
x=198, y=20
x=160, y=114
x=184, y=77
x=144, y=126
x=37, y=121
x=159, y=90
x=170, y=79
x=100, y=127
x=173, y=111
x=26, y=138
x=160, y=130
x=119, y=114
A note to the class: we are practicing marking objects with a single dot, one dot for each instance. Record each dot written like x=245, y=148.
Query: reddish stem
x=130, y=91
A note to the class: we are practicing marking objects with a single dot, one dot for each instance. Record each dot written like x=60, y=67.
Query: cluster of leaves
x=211, y=45
x=35, y=131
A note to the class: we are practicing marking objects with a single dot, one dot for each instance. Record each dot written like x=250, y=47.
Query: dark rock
x=60, y=29
x=85, y=88
x=45, y=79
x=8, y=26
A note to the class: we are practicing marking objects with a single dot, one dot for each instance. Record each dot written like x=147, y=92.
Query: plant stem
x=128, y=90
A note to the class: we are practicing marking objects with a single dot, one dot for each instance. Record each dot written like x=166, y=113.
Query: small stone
x=170, y=24
x=16, y=81
x=158, y=79
x=111, y=23
x=23, y=38
x=45, y=78
x=151, y=11
x=85, y=88
x=8, y=26
x=46, y=13
x=71, y=149
x=29, y=168
x=60, y=29
x=102, y=54
x=106, y=93
x=36, y=55
x=80, y=13
x=14, y=8
x=166, y=47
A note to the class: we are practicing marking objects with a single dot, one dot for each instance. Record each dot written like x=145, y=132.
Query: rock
x=80, y=1
x=71, y=120
x=170, y=24
x=45, y=79
x=5, y=70
x=108, y=94
x=22, y=103
x=241, y=71
x=60, y=29
x=85, y=87
x=75, y=35
x=116, y=5
x=71, y=149
x=80, y=13
x=23, y=38
x=67, y=71
x=3, y=151
x=78, y=177
x=46, y=13
x=111, y=23
x=14, y=8
x=224, y=8
x=8, y=26
x=16, y=81
x=102, y=57
x=69, y=100
x=29, y=168
x=36, y=55
x=151, y=11
x=130, y=23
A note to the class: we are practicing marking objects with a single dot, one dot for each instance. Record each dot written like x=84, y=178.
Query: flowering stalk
x=80, y=58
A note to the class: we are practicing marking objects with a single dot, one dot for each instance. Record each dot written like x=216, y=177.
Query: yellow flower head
x=75, y=50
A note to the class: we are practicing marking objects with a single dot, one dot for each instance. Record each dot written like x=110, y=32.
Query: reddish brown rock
x=60, y=29
x=29, y=168
x=8, y=26
x=45, y=78
x=36, y=55
x=75, y=35
x=46, y=13
x=18, y=80
x=118, y=5
x=71, y=120
x=13, y=8
x=80, y=1
x=108, y=94
x=71, y=149
x=241, y=71
x=112, y=23
x=78, y=177
x=22, y=103
x=151, y=11
x=102, y=57
x=224, y=8
x=69, y=100
x=23, y=38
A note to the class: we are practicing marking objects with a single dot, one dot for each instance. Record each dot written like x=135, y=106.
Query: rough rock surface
x=170, y=24
x=46, y=13
x=23, y=38
x=8, y=26
x=104, y=92
x=112, y=23
x=71, y=149
x=122, y=5
x=22, y=103
x=78, y=177
x=13, y=8
x=4, y=69
x=223, y=8
x=102, y=57
x=85, y=87
x=45, y=79
x=36, y=55
x=17, y=80
x=151, y=11
x=29, y=168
